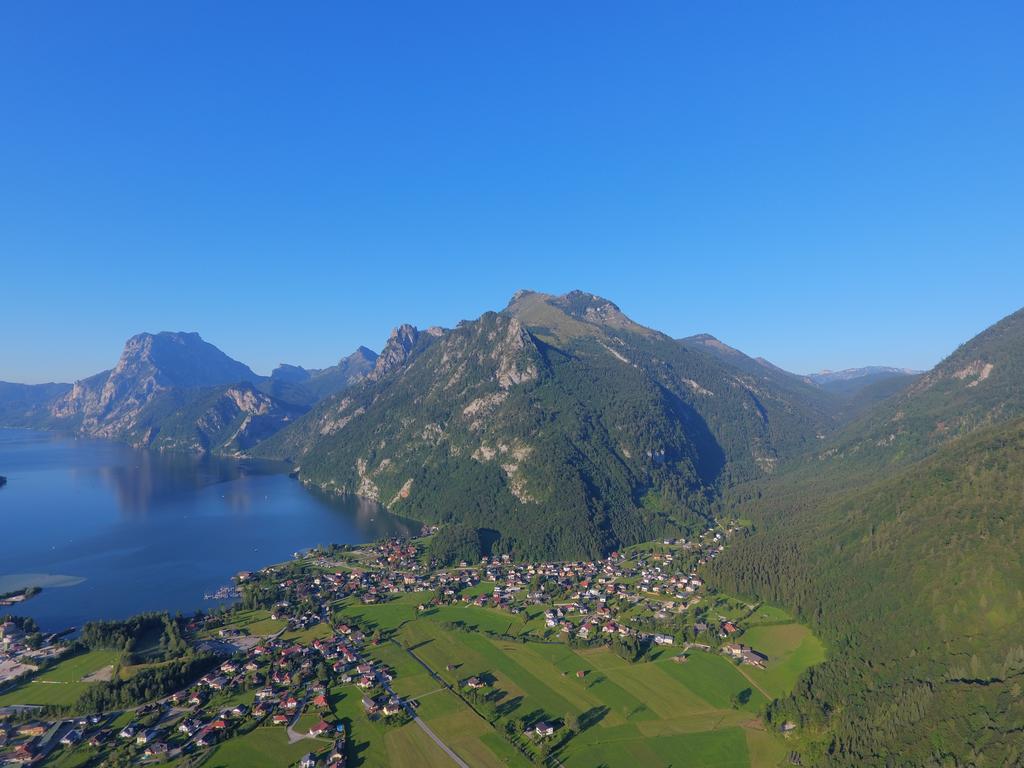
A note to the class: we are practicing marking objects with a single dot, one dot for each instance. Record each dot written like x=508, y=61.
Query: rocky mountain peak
x=397, y=351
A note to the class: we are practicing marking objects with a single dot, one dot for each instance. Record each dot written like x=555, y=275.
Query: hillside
x=929, y=672
x=978, y=384
x=225, y=420
x=302, y=386
x=904, y=551
x=27, y=404
x=559, y=423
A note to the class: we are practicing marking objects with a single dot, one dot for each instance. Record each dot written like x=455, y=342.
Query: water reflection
x=149, y=531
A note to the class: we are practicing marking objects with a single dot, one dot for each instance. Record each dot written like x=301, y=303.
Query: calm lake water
x=109, y=531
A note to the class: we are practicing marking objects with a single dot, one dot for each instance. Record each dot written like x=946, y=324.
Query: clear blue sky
x=824, y=184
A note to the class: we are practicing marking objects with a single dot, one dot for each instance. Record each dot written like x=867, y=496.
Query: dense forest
x=917, y=584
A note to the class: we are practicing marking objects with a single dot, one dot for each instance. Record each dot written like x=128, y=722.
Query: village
x=300, y=635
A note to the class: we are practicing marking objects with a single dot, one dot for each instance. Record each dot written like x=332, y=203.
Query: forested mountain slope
x=901, y=542
x=978, y=384
x=559, y=423
x=916, y=584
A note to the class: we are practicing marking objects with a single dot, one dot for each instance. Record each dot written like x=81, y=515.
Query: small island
x=19, y=595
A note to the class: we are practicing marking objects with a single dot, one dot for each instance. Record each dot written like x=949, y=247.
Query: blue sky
x=823, y=184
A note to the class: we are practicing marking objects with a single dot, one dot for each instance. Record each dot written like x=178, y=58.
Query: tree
x=572, y=722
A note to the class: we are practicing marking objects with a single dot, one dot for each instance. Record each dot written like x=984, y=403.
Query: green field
x=791, y=648
x=263, y=748
x=60, y=684
x=703, y=712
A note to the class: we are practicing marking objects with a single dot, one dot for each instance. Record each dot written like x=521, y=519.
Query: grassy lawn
x=72, y=670
x=61, y=684
x=791, y=649
x=263, y=748
x=307, y=636
x=724, y=748
x=715, y=679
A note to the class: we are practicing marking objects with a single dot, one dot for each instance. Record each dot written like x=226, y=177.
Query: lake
x=109, y=531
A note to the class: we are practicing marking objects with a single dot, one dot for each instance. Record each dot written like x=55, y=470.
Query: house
x=337, y=757
x=320, y=702
x=320, y=729
x=206, y=737
x=128, y=732
x=156, y=749
x=71, y=737
x=544, y=729
x=308, y=761
x=474, y=683
x=664, y=639
x=147, y=736
x=188, y=727
x=280, y=719
x=369, y=705
x=392, y=707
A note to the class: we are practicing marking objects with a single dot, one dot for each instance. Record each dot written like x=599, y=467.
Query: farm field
x=703, y=712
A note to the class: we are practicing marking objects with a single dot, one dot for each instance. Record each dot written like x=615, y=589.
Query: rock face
x=107, y=405
x=405, y=341
x=226, y=420
x=176, y=391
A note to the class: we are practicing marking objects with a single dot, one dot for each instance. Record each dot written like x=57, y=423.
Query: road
x=419, y=720
x=294, y=735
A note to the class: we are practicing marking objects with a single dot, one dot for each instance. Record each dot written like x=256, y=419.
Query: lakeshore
x=109, y=531
x=378, y=656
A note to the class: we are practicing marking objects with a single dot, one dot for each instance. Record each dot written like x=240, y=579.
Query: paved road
x=293, y=735
x=418, y=720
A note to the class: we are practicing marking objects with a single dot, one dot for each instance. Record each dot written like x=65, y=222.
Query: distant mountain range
x=176, y=391
x=558, y=423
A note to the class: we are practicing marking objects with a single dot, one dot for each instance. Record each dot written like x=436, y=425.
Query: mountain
x=838, y=396
x=978, y=384
x=26, y=404
x=558, y=423
x=225, y=420
x=800, y=390
x=303, y=386
x=868, y=374
x=176, y=391
x=900, y=542
x=106, y=405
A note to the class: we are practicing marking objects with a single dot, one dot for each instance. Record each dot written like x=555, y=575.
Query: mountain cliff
x=176, y=391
